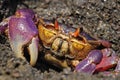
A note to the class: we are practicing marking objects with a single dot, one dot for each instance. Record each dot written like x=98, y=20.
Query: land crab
x=64, y=46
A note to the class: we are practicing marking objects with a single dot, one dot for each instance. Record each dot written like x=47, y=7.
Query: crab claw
x=25, y=13
x=88, y=65
x=23, y=33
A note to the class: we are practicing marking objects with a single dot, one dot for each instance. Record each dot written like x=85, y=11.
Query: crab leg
x=4, y=25
x=117, y=69
x=95, y=41
x=108, y=61
x=88, y=65
x=113, y=73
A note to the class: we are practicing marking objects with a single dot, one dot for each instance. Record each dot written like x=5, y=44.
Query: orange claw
x=56, y=25
x=76, y=33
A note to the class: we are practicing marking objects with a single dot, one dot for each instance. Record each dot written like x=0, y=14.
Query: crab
x=74, y=47
x=63, y=46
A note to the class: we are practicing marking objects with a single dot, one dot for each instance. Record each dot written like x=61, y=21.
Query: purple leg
x=108, y=61
x=88, y=65
x=112, y=73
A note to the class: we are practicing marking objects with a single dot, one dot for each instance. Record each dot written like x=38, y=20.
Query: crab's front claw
x=23, y=33
x=33, y=50
x=88, y=65
x=32, y=46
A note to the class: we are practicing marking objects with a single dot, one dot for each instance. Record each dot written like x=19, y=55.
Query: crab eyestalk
x=76, y=33
x=56, y=25
x=22, y=32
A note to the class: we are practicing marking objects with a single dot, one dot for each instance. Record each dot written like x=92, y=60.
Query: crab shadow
x=43, y=65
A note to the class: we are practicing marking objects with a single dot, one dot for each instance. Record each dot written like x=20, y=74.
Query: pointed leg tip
x=32, y=63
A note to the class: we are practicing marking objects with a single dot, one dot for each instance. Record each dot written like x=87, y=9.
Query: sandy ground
x=100, y=17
